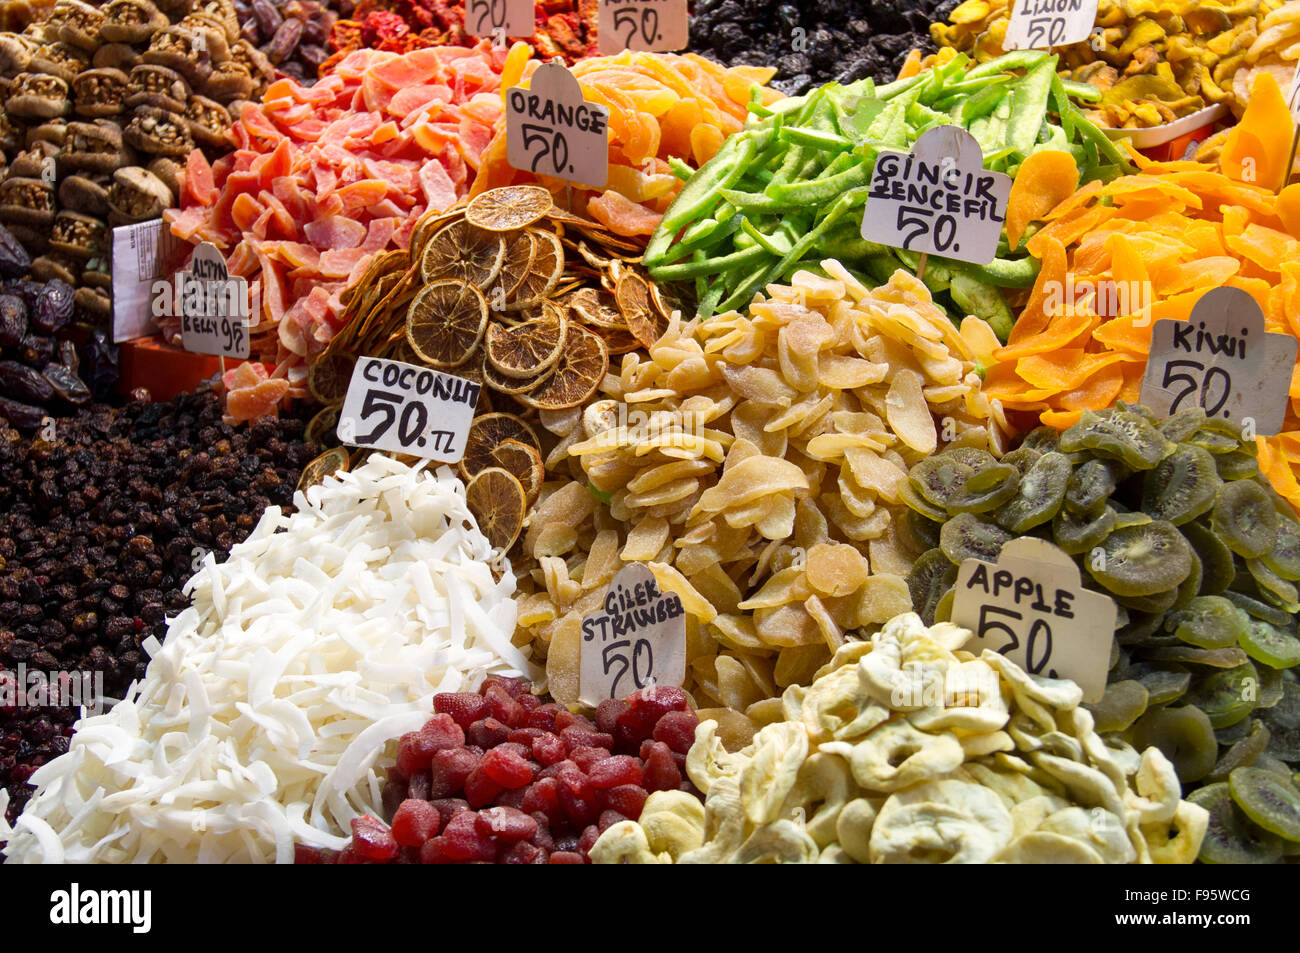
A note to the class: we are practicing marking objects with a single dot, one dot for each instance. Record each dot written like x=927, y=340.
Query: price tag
x=938, y=199
x=643, y=25
x=1043, y=24
x=637, y=639
x=405, y=408
x=513, y=18
x=213, y=306
x=1222, y=359
x=140, y=256
x=552, y=130
x=1032, y=607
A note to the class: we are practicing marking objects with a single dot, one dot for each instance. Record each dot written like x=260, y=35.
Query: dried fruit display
x=753, y=462
x=325, y=177
x=1171, y=519
x=818, y=42
x=499, y=777
x=1159, y=240
x=1151, y=63
x=668, y=115
x=99, y=529
x=907, y=749
x=790, y=189
x=287, y=749
x=102, y=105
x=293, y=35
x=565, y=28
x=1275, y=50
x=1254, y=817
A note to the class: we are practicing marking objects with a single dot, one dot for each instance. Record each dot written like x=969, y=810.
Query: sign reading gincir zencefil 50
x=938, y=199
x=551, y=130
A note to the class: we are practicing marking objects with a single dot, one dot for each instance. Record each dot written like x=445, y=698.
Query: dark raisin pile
x=100, y=528
x=841, y=40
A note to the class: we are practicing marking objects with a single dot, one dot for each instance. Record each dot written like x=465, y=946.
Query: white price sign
x=636, y=639
x=1031, y=606
x=486, y=18
x=938, y=199
x=1222, y=360
x=404, y=408
x=1043, y=24
x=644, y=25
x=551, y=130
x=213, y=306
x=140, y=256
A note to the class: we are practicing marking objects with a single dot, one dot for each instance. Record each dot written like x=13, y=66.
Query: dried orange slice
x=318, y=469
x=619, y=341
x=663, y=304
x=509, y=208
x=321, y=427
x=516, y=264
x=524, y=463
x=486, y=433
x=544, y=272
x=596, y=307
x=513, y=385
x=528, y=349
x=581, y=368
x=446, y=321
x=459, y=250
x=329, y=375
x=497, y=501
x=633, y=296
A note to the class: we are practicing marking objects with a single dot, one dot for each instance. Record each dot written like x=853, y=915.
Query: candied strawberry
x=514, y=687
x=506, y=823
x=419, y=787
x=506, y=767
x=465, y=708
x=584, y=757
x=434, y=852
x=302, y=854
x=522, y=852
x=676, y=729
x=660, y=772
x=417, y=748
x=461, y=839
x=449, y=770
x=555, y=770
x=543, y=838
x=607, y=713
x=590, y=835
x=524, y=751
x=544, y=717
x=578, y=737
x=627, y=799
x=449, y=807
x=511, y=797
x=608, y=818
x=613, y=771
x=487, y=733
x=568, y=719
x=549, y=749
x=415, y=822
x=567, y=857
x=503, y=707
x=580, y=804
x=350, y=855
x=372, y=839
x=480, y=789
x=645, y=708
x=529, y=702
x=524, y=736
x=543, y=797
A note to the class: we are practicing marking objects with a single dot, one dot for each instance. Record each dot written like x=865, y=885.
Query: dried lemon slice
x=513, y=386
x=446, y=321
x=496, y=499
x=633, y=296
x=321, y=427
x=318, y=469
x=581, y=368
x=509, y=207
x=524, y=463
x=544, y=272
x=596, y=307
x=516, y=264
x=528, y=349
x=328, y=377
x=459, y=250
x=619, y=341
x=486, y=432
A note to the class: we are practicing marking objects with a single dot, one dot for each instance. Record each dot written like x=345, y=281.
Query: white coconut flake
x=273, y=706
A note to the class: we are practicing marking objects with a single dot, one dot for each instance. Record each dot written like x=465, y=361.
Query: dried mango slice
x=1045, y=179
x=1258, y=148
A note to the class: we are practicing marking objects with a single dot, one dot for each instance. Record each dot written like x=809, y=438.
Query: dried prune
x=13, y=320
x=66, y=384
x=14, y=260
x=24, y=384
x=53, y=307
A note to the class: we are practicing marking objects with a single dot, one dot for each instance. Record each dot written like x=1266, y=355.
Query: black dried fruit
x=53, y=307
x=24, y=384
x=13, y=320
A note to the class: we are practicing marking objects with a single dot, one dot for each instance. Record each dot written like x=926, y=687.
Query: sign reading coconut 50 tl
x=551, y=130
x=938, y=199
x=212, y=306
x=1031, y=606
x=1043, y=24
x=405, y=408
x=643, y=25
x=1222, y=360
x=637, y=639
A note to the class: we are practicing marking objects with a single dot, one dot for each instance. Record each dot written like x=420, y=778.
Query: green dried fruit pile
x=1173, y=520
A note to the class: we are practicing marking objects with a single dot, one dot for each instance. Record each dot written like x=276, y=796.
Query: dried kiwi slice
x=1042, y=439
x=1260, y=610
x=1244, y=751
x=1191, y=585
x=1283, y=722
x=1138, y=629
x=909, y=494
x=1245, y=519
x=1183, y=424
x=1022, y=458
x=1181, y=487
x=1163, y=685
x=1227, y=696
x=1270, y=645
x=1208, y=622
x=1142, y=560
x=925, y=531
x=1272, y=586
x=1217, y=567
x=1184, y=735
x=1236, y=465
x=1042, y=489
x=966, y=536
x=986, y=489
x=1091, y=484
x=932, y=575
x=1230, y=837
x=1160, y=602
x=939, y=478
x=1284, y=558
x=1119, y=433
x=1123, y=703
x=1268, y=800
x=1079, y=536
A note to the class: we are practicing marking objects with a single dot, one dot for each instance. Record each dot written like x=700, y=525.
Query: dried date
x=13, y=320
x=22, y=383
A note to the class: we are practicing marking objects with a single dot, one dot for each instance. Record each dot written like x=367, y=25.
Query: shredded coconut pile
x=260, y=721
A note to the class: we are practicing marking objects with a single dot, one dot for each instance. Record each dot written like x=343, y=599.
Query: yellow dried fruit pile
x=753, y=462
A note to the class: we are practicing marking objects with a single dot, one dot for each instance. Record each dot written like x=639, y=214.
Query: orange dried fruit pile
x=662, y=106
x=1118, y=257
